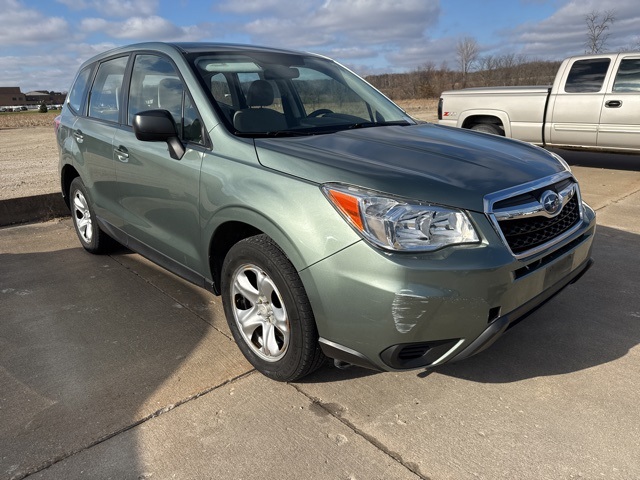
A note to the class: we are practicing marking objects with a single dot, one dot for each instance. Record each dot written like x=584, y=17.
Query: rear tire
x=488, y=128
x=92, y=238
x=268, y=311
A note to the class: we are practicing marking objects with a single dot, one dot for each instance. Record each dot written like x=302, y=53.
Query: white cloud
x=114, y=8
x=422, y=52
x=359, y=21
x=564, y=33
x=263, y=7
x=144, y=28
x=23, y=26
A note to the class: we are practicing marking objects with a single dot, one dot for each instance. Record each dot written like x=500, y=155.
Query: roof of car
x=197, y=47
x=191, y=47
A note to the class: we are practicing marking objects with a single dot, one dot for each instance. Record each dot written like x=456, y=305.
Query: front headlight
x=394, y=223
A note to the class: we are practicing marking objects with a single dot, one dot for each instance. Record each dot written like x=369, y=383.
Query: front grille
x=527, y=233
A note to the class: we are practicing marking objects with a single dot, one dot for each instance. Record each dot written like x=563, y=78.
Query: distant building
x=12, y=96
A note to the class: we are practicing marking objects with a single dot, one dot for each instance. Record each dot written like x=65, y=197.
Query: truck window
x=628, y=76
x=587, y=76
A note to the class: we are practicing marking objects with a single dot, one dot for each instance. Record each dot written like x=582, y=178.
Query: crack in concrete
x=617, y=200
x=167, y=408
x=335, y=413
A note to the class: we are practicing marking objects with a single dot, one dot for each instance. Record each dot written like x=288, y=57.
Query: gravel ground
x=28, y=162
x=29, y=155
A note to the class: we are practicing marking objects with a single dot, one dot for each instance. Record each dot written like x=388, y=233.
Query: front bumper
x=396, y=311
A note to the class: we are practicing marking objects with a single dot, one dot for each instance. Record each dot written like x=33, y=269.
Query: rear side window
x=106, y=93
x=76, y=94
x=220, y=89
x=587, y=76
x=628, y=76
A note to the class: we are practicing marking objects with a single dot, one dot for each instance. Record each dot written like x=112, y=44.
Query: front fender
x=307, y=232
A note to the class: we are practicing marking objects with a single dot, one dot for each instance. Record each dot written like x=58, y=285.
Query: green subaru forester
x=332, y=223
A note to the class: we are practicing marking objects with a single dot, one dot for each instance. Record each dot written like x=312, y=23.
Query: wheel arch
x=67, y=174
x=496, y=117
x=237, y=224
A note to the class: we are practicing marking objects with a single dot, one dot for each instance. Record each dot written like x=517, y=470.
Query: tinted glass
x=192, y=126
x=628, y=76
x=106, y=94
x=220, y=89
x=246, y=79
x=76, y=94
x=318, y=91
x=587, y=76
x=155, y=84
x=271, y=93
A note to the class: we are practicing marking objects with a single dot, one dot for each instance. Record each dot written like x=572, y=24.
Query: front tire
x=268, y=311
x=92, y=238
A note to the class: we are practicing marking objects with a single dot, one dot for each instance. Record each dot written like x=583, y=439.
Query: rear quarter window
x=78, y=90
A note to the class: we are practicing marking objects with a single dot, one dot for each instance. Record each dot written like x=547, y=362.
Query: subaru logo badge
x=550, y=201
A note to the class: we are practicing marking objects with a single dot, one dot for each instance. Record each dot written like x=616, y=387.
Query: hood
x=433, y=163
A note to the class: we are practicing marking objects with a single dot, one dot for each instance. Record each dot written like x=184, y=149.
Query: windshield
x=275, y=94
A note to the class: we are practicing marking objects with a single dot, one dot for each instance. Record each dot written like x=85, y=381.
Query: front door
x=576, y=109
x=160, y=195
x=620, y=118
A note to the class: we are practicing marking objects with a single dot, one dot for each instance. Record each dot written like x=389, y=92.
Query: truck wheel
x=92, y=238
x=268, y=311
x=488, y=128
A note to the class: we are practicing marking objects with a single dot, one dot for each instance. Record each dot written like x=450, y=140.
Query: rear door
x=620, y=118
x=94, y=136
x=577, y=104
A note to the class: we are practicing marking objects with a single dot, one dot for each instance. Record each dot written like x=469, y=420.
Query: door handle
x=79, y=136
x=613, y=104
x=122, y=153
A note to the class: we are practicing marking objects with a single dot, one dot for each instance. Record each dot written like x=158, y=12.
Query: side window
x=628, y=76
x=155, y=84
x=587, y=76
x=220, y=89
x=192, y=126
x=105, y=98
x=76, y=94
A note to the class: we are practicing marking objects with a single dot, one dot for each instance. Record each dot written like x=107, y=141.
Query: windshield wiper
x=401, y=123
x=274, y=133
x=320, y=129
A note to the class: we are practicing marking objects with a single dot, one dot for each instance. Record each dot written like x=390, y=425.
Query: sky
x=43, y=42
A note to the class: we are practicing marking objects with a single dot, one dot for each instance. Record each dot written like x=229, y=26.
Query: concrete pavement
x=110, y=367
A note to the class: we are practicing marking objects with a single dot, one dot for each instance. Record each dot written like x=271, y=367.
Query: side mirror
x=159, y=126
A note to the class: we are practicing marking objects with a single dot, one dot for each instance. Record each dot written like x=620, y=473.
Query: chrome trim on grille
x=532, y=209
x=536, y=209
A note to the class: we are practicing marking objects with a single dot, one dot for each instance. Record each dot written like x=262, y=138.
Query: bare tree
x=467, y=51
x=598, y=24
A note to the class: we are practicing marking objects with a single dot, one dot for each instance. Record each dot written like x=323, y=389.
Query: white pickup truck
x=594, y=103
